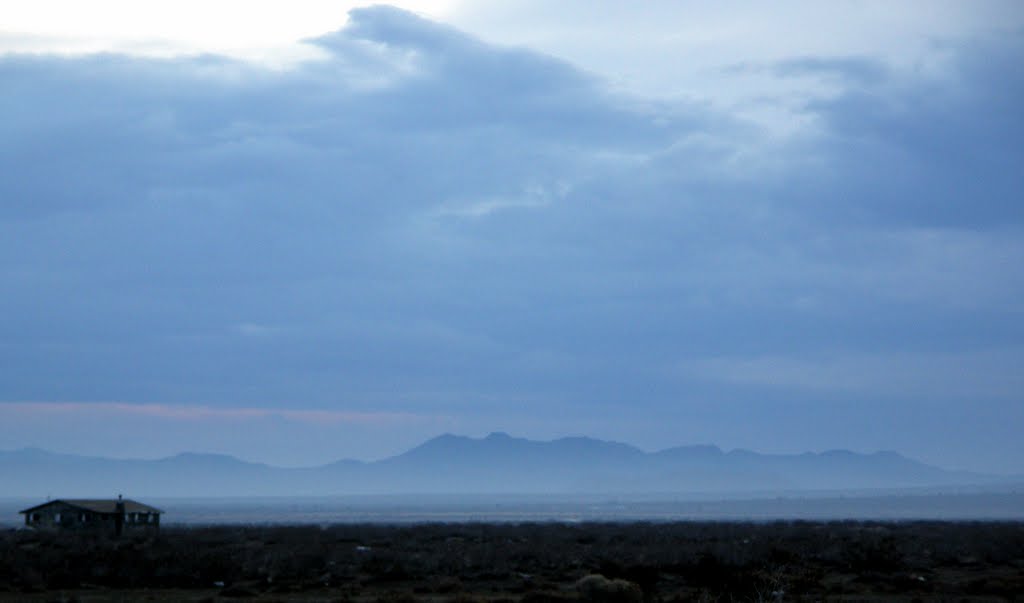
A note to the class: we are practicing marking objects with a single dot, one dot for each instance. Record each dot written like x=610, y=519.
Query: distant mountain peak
x=208, y=458
x=838, y=452
x=495, y=463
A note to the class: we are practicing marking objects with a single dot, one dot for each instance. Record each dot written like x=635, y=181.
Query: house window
x=56, y=517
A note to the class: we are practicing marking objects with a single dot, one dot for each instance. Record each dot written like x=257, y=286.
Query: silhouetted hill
x=496, y=464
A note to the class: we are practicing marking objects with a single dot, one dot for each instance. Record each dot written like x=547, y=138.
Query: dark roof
x=99, y=505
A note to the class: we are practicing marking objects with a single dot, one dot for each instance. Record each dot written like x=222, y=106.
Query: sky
x=299, y=232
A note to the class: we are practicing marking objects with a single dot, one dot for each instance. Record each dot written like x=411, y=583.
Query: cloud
x=928, y=150
x=936, y=377
x=858, y=70
x=421, y=222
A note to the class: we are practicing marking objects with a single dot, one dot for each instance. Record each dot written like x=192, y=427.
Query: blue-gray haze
x=423, y=232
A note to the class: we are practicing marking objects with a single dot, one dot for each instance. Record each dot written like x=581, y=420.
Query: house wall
x=59, y=515
x=141, y=520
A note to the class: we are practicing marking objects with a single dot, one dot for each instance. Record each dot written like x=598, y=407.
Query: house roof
x=99, y=505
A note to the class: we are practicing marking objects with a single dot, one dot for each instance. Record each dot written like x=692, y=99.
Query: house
x=112, y=516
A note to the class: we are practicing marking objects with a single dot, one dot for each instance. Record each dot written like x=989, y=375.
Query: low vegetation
x=524, y=562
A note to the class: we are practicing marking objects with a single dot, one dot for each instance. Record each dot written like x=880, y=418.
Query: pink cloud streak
x=200, y=413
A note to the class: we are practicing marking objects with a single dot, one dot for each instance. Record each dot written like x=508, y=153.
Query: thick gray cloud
x=424, y=223
x=938, y=151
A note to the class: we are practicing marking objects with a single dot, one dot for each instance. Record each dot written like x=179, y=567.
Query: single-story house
x=104, y=515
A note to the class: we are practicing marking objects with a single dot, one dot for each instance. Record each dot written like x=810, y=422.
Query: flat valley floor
x=531, y=562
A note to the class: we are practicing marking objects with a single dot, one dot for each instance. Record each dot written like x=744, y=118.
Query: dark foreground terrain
x=781, y=561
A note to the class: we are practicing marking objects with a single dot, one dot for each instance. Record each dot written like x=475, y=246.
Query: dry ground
x=781, y=561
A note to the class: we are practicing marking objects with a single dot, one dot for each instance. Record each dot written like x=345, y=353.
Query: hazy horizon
x=457, y=435
x=500, y=465
x=320, y=230
x=478, y=438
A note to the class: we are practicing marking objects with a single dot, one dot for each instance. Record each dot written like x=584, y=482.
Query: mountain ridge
x=707, y=449
x=497, y=463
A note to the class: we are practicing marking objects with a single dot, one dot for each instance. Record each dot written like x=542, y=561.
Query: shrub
x=597, y=588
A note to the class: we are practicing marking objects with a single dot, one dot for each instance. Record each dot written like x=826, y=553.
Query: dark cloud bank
x=423, y=222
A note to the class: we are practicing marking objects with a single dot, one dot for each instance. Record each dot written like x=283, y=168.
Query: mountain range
x=496, y=464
